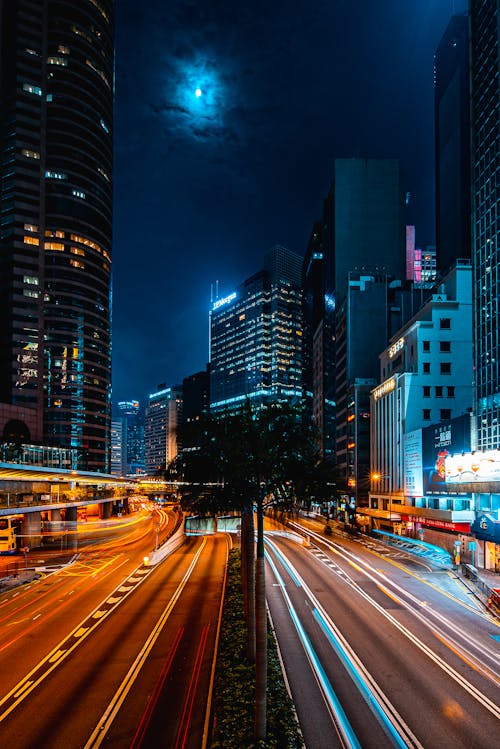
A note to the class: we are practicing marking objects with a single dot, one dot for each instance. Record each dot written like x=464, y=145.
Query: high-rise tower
x=452, y=138
x=256, y=337
x=485, y=124
x=56, y=138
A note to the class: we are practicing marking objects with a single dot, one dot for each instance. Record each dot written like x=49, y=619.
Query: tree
x=250, y=460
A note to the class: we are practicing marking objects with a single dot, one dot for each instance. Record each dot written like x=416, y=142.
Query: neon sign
x=385, y=388
x=396, y=347
x=224, y=300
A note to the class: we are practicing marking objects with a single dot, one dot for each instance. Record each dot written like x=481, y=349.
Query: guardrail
x=167, y=548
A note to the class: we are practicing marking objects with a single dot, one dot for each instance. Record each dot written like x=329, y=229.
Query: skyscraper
x=256, y=337
x=163, y=414
x=133, y=436
x=56, y=142
x=452, y=138
x=485, y=124
x=362, y=229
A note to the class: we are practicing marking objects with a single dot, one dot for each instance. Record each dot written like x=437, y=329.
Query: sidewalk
x=484, y=584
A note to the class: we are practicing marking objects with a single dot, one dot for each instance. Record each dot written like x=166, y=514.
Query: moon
x=198, y=93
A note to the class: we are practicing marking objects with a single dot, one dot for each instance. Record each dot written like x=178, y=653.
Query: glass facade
x=485, y=101
x=256, y=337
x=56, y=124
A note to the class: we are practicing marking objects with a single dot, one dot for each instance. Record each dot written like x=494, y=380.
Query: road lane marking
x=99, y=733
x=53, y=659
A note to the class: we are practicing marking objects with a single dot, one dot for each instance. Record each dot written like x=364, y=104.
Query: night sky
x=205, y=184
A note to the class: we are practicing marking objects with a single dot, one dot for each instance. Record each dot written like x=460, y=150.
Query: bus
x=8, y=527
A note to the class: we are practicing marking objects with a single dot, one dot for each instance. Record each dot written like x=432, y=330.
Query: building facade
x=256, y=337
x=56, y=143
x=485, y=124
x=163, y=415
x=425, y=379
x=132, y=416
x=452, y=144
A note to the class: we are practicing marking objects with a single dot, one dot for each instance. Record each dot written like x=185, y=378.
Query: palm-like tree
x=254, y=458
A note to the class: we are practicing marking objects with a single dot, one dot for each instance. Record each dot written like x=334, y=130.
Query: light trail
x=440, y=662
x=385, y=713
x=423, y=612
x=100, y=731
x=340, y=721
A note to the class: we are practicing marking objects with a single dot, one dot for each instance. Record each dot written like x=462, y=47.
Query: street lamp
x=378, y=477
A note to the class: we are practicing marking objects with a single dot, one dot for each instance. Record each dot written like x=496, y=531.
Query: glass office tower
x=485, y=123
x=56, y=140
x=256, y=337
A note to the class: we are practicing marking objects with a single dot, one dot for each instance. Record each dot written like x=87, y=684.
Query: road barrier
x=167, y=548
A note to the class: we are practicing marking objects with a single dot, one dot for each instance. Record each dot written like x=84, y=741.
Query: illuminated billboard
x=439, y=443
x=467, y=467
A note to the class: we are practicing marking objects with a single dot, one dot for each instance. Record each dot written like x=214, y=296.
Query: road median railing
x=172, y=543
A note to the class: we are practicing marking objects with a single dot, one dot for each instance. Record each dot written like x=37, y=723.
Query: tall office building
x=56, y=142
x=485, y=123
x=256, y=337
x=133, y=436
x=362, y=229
x=452, y=139
x=118, y=448
x=163, y=414
x=318, y=344
x=363, y=226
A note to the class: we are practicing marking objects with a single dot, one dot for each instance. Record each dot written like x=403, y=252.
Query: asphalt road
x=112, y=645
x=386, y=633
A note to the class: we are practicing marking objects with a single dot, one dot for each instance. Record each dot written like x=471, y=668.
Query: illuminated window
x=77, y=264
x=54, y=246
x=30, y=227
x=104, y=174
x=104, y=126
x=55, y=175
x=31, y=279
x=57, y=233
x=31, y=293
x=98, y=71
x=30, y=154
x=31, y=240
x=32, y=52
x=63, y=50
x=30, y=89
x=57, y=61
x=85, y=241
x=106, y=255
x=78, y=194
x=77, y=251
x=100, y=9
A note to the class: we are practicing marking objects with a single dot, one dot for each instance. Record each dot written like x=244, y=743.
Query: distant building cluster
x=388, y=345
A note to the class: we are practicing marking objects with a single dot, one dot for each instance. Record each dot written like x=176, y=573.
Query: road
x=102, y=651
x=383, y=652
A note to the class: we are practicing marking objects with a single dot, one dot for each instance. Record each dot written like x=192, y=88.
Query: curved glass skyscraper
x=56, y=131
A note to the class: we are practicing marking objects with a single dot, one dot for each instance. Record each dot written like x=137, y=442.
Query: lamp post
x=378, y=477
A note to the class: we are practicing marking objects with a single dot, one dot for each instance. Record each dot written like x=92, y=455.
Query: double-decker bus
x=8, y=528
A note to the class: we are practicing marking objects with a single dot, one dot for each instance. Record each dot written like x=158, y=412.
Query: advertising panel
x=467, y=467
x=439, y=443
x=413, y=463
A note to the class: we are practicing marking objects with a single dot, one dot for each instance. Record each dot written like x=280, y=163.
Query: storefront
x=486, y=529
